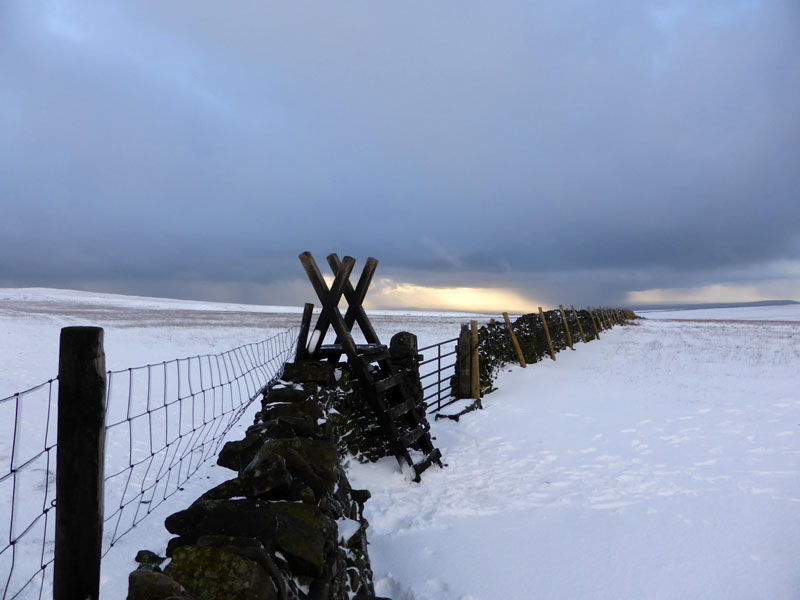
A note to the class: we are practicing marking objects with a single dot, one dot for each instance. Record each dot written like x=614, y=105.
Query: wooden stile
x=547, y=334
x=514, y=341
x=371, y=363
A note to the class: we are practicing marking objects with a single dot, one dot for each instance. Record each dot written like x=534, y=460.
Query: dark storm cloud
x=583, y=148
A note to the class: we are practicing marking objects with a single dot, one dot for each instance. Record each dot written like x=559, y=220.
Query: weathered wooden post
x=476, y=375
x=514, y=341
x=566, y=326
x=464, y=357
x=599, y=313
x=79, y=464
x=594, y=323
x=302, y=338
x=578, y=320
x=547, y=334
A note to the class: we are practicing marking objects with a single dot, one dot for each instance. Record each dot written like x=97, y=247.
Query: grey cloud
x=513, y=143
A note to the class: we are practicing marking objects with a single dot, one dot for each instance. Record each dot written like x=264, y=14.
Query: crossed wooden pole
x=329, y=299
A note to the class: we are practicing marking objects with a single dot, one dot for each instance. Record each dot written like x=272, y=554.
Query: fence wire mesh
x=163, y=421
x=27, y=487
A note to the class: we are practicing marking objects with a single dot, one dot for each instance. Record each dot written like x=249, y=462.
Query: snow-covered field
x=138, y=331
x=662, y=461
x=788, y=312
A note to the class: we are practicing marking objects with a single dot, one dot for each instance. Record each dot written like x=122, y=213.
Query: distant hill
x=644, y=307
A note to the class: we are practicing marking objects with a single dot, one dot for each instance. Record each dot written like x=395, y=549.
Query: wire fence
x=163, y=421
x=436, y=375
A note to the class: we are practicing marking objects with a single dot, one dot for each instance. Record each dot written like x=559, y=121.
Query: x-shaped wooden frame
x=329, y=298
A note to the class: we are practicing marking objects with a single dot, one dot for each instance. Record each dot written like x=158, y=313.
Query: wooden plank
x=434, y=456
x=389, y=382
x=369, y=352
x=547, y=334
x=566, y=326
x=514, y=341
x=302, y=339
x=412, y=436
x=578, y=321
x=404, y=407
x=475, y=371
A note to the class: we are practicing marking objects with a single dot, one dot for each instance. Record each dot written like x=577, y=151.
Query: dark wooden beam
x=328, y=298
x=355, y=298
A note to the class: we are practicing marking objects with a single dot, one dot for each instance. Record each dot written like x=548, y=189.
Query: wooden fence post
x=514, y=341
x=476, y=375
x=578, y=320
x=464, y=356
x=566, y=327
x=547, y=334
x=302, y=338
x=79, y=464
x=594, y=323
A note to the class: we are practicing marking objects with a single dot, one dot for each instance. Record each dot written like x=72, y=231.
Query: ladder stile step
x=390, y=382
x=401, y=409
x=412, y=436
x=433, y=457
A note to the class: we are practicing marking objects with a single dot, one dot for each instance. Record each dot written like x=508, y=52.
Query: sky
x=491, y=155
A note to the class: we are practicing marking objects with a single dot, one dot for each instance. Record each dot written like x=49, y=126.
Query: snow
x=788, y=312
x=347, y=529
x=661, y=461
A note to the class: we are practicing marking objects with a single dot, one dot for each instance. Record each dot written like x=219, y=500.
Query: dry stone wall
x=288, y=525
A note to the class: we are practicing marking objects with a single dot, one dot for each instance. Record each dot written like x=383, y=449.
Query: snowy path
x=661, y=462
